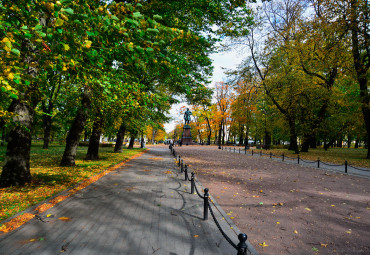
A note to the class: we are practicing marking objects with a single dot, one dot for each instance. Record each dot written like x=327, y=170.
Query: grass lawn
x=355, y=157
x=49, y=178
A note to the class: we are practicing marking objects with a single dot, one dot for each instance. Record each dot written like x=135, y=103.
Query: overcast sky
x=228, y=60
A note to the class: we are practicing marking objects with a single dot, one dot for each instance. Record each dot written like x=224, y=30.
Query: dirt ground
x=286, y=208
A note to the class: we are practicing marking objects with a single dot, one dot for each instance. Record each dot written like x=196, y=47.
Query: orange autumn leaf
x=65, y=219
x=16, y=222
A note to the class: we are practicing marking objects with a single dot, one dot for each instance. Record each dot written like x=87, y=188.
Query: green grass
x=48, y=178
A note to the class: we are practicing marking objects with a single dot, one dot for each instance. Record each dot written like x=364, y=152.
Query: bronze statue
x=187, y=117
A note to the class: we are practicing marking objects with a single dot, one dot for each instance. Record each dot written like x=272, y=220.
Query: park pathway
x=143, y=207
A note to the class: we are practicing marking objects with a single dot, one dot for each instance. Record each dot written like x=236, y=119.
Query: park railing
x=343, y=168
x=243, y=247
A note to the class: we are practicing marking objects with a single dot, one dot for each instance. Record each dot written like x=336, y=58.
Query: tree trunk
x=330, y=143
x=209, y=131
x=267, y=140
x=120, y=137
x=16, y=170
x=131, y=144
x=75, y=132
x=47, y=131
x=241, y=134
x=93, y=150
x=293, y=137
x=219, y=134
x=3, y=137
x=308, y=141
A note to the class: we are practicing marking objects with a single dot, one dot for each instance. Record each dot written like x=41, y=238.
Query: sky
x=228, y=60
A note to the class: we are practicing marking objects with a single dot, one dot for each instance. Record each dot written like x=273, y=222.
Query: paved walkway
x=144, y=207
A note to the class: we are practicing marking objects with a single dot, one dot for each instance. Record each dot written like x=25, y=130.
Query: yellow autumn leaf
x=49, y=215
x=88, y=44
x=59, y=22
x=11, y=76
x=295, y=232
x=263, y=244
x=308, y=209
x=278, y=223
x=349, y=231
x=66, y=47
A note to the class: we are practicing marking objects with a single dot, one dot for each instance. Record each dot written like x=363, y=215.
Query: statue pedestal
x=186, y=136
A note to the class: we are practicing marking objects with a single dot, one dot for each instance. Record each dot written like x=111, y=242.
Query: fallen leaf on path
x=263, y=244
x=308, y=209
x=65, y=219
x=295, y=232
x=196, y=236
x=324, y=244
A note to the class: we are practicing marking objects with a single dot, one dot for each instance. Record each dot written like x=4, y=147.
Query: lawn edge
x=13, y=223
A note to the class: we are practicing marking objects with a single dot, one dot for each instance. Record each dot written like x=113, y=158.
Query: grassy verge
x=49, y=178
x=355, y=157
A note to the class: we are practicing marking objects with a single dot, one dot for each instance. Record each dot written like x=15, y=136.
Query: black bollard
x=318, y=162
x=239, y=150
x=298, y=159
x=270, y=154
x=186, y=172
x=179, y=164
x=182, y=166
x=242, y=246
x=283, y=156
x=345, y=166
x=206, y=195
x=192, y=183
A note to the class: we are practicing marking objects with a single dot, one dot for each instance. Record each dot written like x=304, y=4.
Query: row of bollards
x=242, y=245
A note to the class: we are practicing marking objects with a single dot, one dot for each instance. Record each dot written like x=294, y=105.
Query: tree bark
x=16, y=170
x=209, y=132
x=120, y=138
x=131, y=144
x=293, y=136
x=47, y=124
x=75, y=132
x=94, y=142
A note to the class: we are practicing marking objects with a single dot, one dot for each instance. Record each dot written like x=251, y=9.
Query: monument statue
x=187, y=116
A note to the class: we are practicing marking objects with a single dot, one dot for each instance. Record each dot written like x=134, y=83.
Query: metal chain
x=196, y=190
x=219, y=228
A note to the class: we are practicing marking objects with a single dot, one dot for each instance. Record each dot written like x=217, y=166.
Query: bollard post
x=239, y=150
x=345, y=166
x=318, y=162
x=245, y=151
x=252, y=152
x=179, y=164
x=192, y=183
x=205, y=213
x=182, y=166
x=242, y=246
x=298, y=159
x=270, y=154
x=260, y=153
x=283, y=156
x=234, y=149
x=186, y=172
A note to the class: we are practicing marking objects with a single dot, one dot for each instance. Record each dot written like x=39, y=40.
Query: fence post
x=252, y=152
x=182, y=166
x=242, y=246
x=298, y=159
x=206, y=195
x=192, y=183
x=345, y=166
x=318, y=162
x=179, y=164
x=186, y=172
x=283, y=156
x=270, y=154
